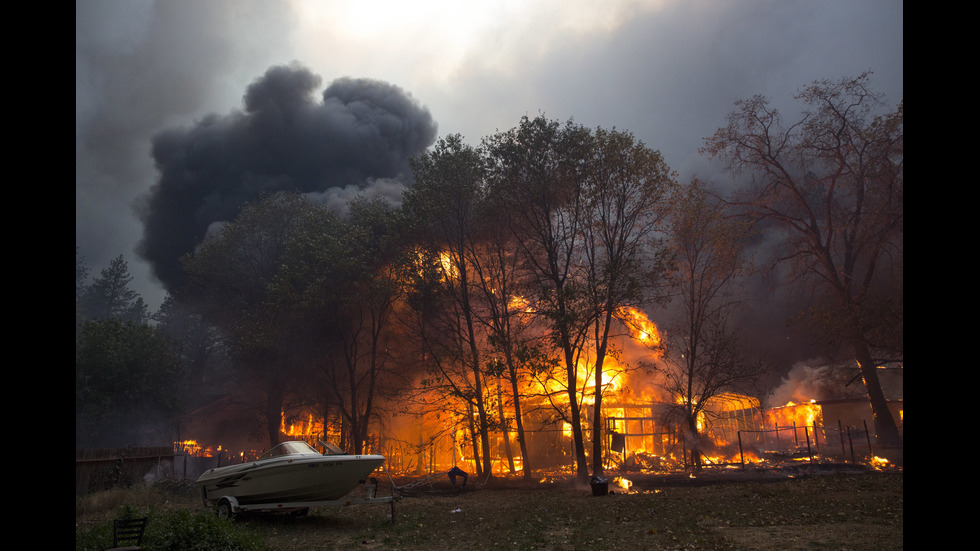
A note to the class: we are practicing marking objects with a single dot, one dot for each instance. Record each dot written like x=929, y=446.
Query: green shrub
x=177, y=530
x=182, y=530
x=96, y=538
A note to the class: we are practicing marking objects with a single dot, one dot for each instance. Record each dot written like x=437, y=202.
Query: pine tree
x=109, y=295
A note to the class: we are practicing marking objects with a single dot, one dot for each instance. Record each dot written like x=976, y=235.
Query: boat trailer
x=228, y=506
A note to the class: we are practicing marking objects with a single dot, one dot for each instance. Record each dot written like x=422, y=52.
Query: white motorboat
x=289, y=472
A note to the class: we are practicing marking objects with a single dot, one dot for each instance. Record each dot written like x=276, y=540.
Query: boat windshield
x=289, y=448
x=331, y=449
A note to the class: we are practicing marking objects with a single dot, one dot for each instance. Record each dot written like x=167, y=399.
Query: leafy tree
x=127, y=383
x=833, y=182
x=230, y=277
x=627, y=196
x=377, y=229
x=81, y=282
x=340, y=286
x=444, y=202
x=197, y=345
x=585, y=209
x=538, y=170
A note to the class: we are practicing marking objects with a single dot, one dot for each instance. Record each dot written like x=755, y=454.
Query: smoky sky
x=178, y=114
x=356, y=136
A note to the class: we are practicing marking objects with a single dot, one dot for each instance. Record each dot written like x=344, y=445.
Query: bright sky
x=431, y=40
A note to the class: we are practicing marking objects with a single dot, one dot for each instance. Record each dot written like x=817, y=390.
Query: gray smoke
x=807, y=381
x=355, y=138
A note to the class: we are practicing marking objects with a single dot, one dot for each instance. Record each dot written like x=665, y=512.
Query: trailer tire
x=223, y=509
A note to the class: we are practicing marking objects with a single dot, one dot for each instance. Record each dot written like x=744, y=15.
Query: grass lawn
x=802, y=509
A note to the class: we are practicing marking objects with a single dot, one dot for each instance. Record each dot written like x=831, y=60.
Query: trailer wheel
x=223, y=509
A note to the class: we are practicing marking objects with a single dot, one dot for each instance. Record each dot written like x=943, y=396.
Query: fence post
x=741, y=457
x=843, y=452
x=684, y=449
x=806, y=431
x=867, y=433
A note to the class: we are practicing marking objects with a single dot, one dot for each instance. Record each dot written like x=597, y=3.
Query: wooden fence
x=104, y=468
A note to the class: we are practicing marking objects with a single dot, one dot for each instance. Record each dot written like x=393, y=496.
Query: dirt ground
x=783, y=510
x=834, y=508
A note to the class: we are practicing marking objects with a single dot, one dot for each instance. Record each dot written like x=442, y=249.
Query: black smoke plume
x=355, y=138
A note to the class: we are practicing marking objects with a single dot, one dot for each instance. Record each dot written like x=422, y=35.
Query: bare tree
x=833, y=182
x=508, y=325
x=705, y=355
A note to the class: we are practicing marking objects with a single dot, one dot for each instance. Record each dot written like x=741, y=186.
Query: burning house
x=638, y=436
x=833, y=427
x=643, y=428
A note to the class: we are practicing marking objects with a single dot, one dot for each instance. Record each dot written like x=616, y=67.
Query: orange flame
x=641, y=328
x=623, y=483
x=307, y=428
x=801, y=415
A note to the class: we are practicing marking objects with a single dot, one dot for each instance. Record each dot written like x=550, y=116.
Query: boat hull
x=306, y=479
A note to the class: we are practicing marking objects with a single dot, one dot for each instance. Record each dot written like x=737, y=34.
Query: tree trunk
x=518, y=417
x=597, y=467
x=273, y=414
x=344, y=433
x=481, y=407
x=886, y=431
x=571, y=371
x=602, y=344
x=474, y=439
x=692, y=425
x=503, y=426
x=326, y=420
x=484, y=432
x=274, y=420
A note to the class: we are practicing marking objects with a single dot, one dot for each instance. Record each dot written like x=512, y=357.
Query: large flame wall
x=640, y=426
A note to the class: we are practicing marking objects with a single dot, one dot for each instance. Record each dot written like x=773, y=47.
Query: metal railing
x=814, y=443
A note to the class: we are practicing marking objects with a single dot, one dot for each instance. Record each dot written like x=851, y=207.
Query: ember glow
x=623, y=483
